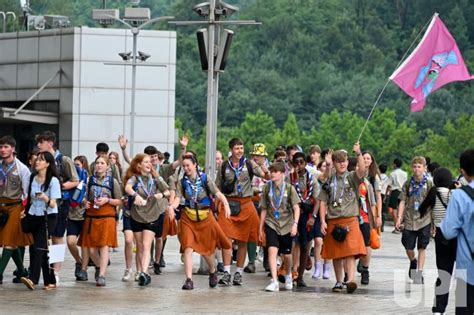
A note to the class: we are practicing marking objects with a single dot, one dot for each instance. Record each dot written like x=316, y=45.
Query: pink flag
x=435, y=62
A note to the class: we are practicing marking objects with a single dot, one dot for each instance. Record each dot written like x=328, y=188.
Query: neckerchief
x=276, y=203
x=193, y=189
x=149, y=189
x=416, y=188
x=309, y=187
x=237, y=172
x=4, y=174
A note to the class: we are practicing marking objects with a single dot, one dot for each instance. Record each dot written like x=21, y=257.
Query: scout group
x=327, y=204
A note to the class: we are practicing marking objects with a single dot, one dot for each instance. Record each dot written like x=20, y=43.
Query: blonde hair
x=418, y=160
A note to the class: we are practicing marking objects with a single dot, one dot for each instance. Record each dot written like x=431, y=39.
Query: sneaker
x=137, y=276
x=273, y=287
x=300, y=283
x=237, y=279
x=326, y=271
x=142, y=279
x=413, y=267
x=77, y=269
x=150, y=265
x=317, y=270
x=188, y=284
x=29, y=284
x=289, y=284
x=147, y=279
x=225, y=279
x=309, y=263
x=250, y=268
x=156, y=269
x=365, y=276
x=351, y=287
x=213, y=280
x=338, y=287
x=97, y=273
x=127, y=275
x=396, y=231
x=359, y=266
x=418, y=277
x=100, y=282
x=220, y=267
x=82, y=276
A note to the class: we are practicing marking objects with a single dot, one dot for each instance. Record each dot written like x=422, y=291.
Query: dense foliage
x=312, y=71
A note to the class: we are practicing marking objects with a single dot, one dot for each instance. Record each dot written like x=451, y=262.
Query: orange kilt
x=11, y=234
x=202, y=236
x=100, y=228
x=242, y=227
x=353, y=245
x=170, y=226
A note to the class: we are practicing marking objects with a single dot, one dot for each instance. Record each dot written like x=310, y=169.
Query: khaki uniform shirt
x=346, y=189
x=397, y=179
x=302, y=181
x=166, y=171
x=68, y=170
x=411, y=217
x=112, y=170
x=211, y=186
x=17, y=180
x=153, y=208
x=283, y=225
x=243, y=179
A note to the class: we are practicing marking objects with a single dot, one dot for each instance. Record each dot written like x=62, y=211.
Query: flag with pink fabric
x=436, y=61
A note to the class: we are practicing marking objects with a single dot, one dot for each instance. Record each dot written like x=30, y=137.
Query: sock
x=16, y=256
x=239, y=270
x=6, y=254
x=22, y=253
x=288, y=277
x=227, y=269
x=252, y=251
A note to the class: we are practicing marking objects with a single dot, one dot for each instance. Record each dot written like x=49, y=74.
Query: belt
x=9, y=204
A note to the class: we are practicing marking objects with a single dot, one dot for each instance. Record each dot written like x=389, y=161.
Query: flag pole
x=388, y=80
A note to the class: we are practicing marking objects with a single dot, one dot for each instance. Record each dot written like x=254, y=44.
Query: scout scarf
x=4, y=174
x=309, y=188
x=274, y=201
x=193, y=189
x=237, y=171
x=149, y=189
x=416, y=188
x=337, y=201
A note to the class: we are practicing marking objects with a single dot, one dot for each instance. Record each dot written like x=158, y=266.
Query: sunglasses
x=300, y=162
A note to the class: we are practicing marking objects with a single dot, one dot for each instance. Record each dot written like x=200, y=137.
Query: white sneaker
x=127, y=275
x=289, y=284
x=273, y=287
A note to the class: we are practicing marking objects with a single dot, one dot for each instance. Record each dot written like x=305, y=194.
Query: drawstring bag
x=375, y=238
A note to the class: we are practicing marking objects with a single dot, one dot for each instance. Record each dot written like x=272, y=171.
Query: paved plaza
x=390, y=291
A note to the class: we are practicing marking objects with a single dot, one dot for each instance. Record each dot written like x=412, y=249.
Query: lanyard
x=334, y=187
x=193, y=190
x=309, y=189
x=237, y=172
x=4, y=175
x=273, y=201
x=416, y=189
x=147, y=190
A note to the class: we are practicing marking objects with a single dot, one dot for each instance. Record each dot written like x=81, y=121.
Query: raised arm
x=122, y=141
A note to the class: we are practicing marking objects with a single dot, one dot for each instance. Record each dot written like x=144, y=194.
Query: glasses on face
x=300, y=162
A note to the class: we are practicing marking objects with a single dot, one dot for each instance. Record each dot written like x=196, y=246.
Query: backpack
x=67, y=194
x=228, y=188
x=80, y=190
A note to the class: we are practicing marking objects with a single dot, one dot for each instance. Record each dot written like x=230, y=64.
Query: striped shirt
x=439, y=211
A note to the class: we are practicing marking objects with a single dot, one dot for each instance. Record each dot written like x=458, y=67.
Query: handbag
x=26, y=224
x=375, y=238
x=234, y=208
x=3, y=218
x=339, y=233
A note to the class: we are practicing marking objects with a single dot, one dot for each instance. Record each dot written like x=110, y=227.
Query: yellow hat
x=259, y=149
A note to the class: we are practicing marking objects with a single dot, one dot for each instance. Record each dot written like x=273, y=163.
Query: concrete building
x=86, y=101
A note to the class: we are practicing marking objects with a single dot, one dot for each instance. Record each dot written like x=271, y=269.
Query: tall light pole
x=216, y=54
x=214, y=10
x=135, y=16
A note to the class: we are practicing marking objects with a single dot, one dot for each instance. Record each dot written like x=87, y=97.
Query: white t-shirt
x=37, y=205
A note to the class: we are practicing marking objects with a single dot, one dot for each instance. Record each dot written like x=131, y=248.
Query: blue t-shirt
x=38, y=205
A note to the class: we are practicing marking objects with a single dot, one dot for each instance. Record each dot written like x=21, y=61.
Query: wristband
x=315, y=216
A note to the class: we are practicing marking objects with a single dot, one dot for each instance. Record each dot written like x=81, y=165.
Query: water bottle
x=77, y=192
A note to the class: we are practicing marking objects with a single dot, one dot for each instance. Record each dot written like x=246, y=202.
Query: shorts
x=63, y=212
x=365, y=229
x=317, y=228
x=74, y=227
x=394, y=201
x=155, y=226
x=305, y=236
x=409, y=238
x=282, y=242
x=126, y=224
